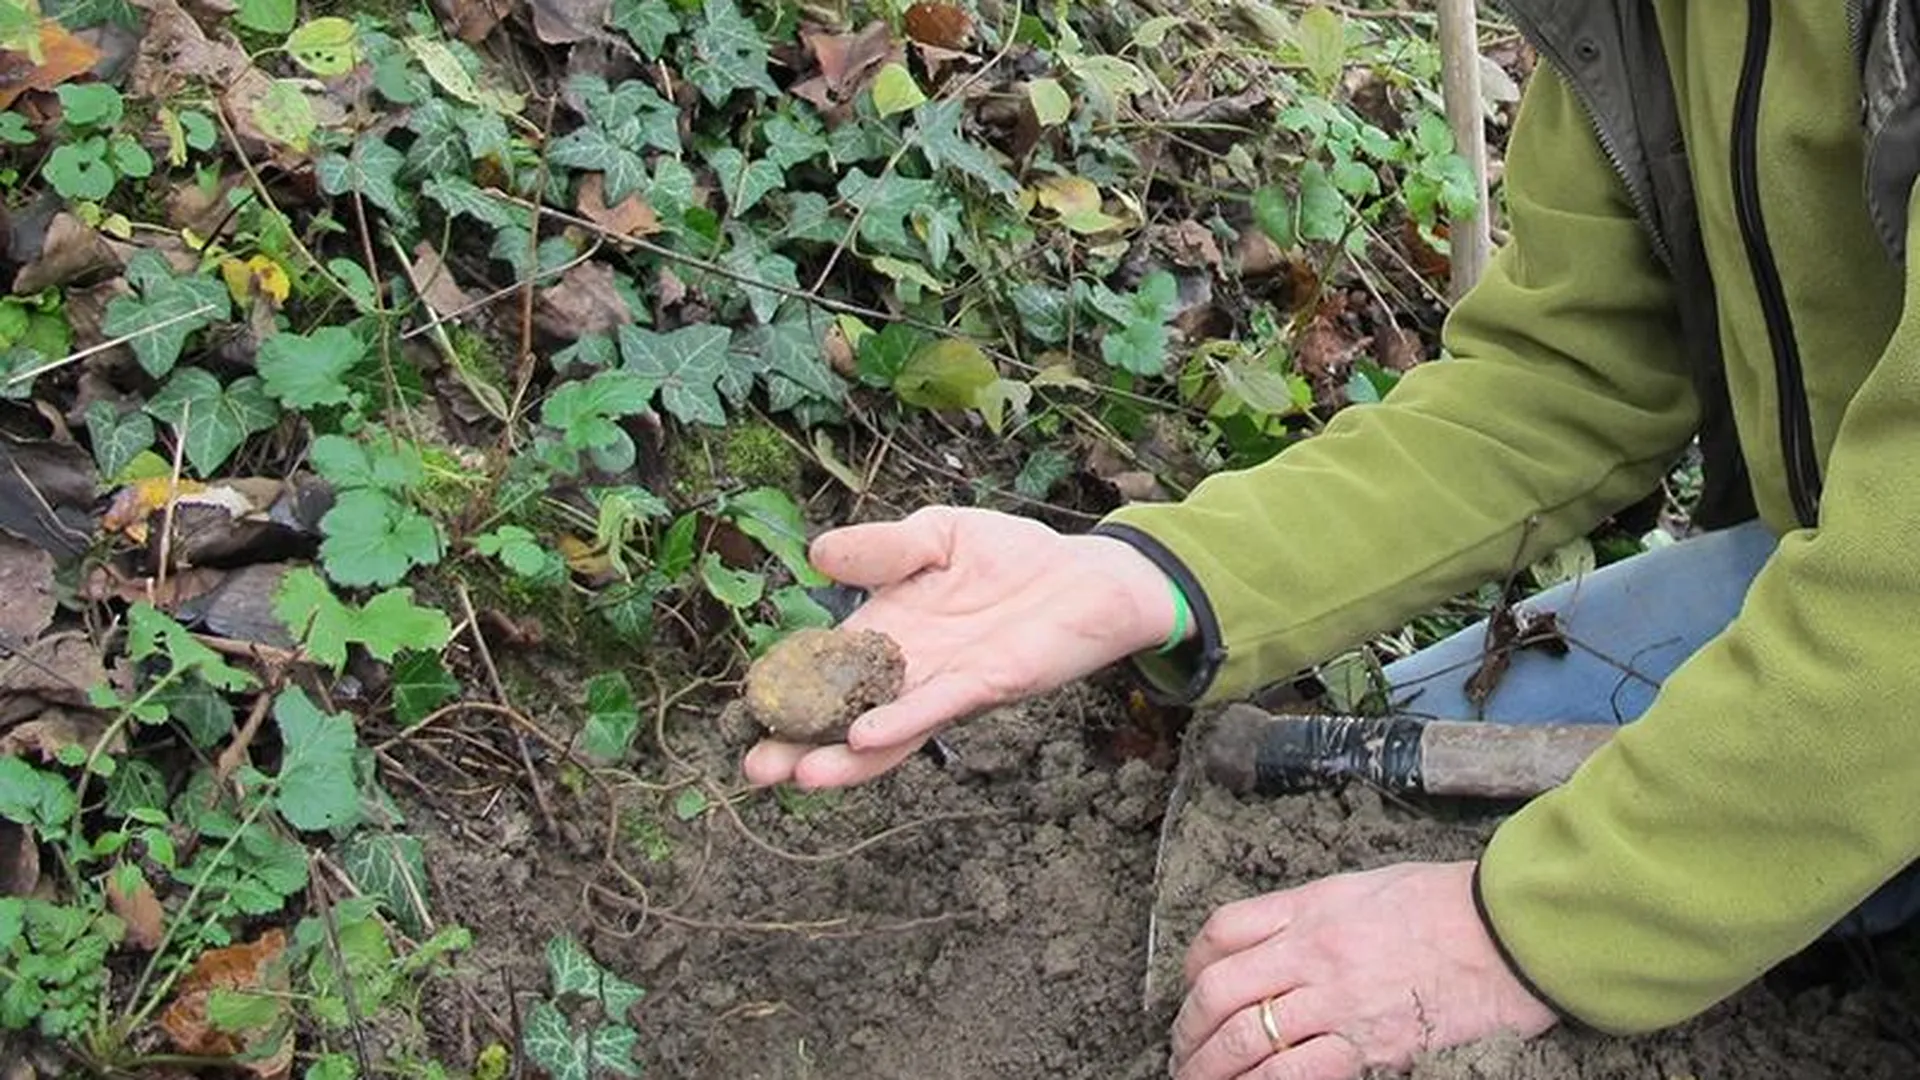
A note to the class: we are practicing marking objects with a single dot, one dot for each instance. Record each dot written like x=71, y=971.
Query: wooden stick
x=1471, y=239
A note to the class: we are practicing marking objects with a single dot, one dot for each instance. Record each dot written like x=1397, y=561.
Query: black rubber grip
x=1303, y=753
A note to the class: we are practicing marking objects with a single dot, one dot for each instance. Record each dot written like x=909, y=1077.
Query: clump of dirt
x=1816, y=1017
x=811, y=686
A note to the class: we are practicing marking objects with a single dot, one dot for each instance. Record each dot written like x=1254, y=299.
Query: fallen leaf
x=945, y=26
x=1397, y=348
x=62, y=57
x=1323, y=354
x=1189, y=243
x=472, y=20
x=633, y=217
x=434, y=280
x=46, y=495
x=563, y=22
x=259, y=275
x=107, y=583
x=71, y=250
x=176, y=53
x=249, y=966
x=848, y=62
x=140, y=910
x=586, y=559
x=241, y=606
x=26, y=590
x=133, y=504
x=53, y=729
x=584, y=301
x=62, y=669
x=19, y=859
x=247, y=520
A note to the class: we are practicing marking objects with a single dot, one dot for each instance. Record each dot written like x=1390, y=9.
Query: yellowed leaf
x=140, y=910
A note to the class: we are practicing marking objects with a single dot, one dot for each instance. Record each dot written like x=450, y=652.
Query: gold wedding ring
x=1271, y=1026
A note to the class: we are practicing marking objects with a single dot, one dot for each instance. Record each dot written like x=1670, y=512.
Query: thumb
x=883, y=553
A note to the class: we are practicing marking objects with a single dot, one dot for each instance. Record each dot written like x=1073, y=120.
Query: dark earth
x=990, y=918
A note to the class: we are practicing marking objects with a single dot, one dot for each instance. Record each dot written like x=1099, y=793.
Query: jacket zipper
x=1796, y=425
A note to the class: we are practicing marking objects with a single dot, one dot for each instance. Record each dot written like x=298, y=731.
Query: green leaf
x=1045, y=468
x=1140, y=344
x=285, y=115
x=391, y=622
x=388, y=624
x=267, y=16
x=549, y=1043
x=734, y=588
x=689, y=804
x=790, y=347
x=612, y=1049
x=622, y=169
x=584, y=410
x=686, y=364
x=937, y=131
x=945, y=374
x=242, y=1010
x=202, y=712
x=421, y=684
x=390, y=464
x=316, y=789
x=457, y=195
x=136, y=787
x=116, y=440
x=373, y=170
x=215, y=420
x=894, y=90
x=729, y=53
x=612, y=718
x=753, y=262
x=14, y=130
x=94, y=104
x=1323, y=213
x=390, y=868
x=373, y=539
x=1051, y=105
x=166, y=312
x=327, y=47
x=881, y=357
x=770, y=516
x=744, y=183
x=1273, y=212
x=791, y=142
x=130, y=159
x=575, y=973
x=151, y=633
x=32, y=797
x=303, y=371
x=648, y=22
x=1322, y=40
x=884, y=205
x=79, y=170
x=332, y=1067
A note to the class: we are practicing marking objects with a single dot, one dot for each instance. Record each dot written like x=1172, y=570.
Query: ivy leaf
x=1045, y=468
x=612, y=718
x=729, y=53
x=770, y=516
x=373, y=170
x=116, y=440
x=937, y=130
x=421, y=684
x=686, y=364
x=884, y=205
x=303, y=371
x=32, y=797
x=947, y=374
x=734, y=588
x=205, y=715
x=590, y=148
x=790, y=346
x=373, y=539
x=549, y=1043
x=575, y=974
x=648, y=22
x=790, y=142
x=316, y=789
x=753, y=262
x=216, y=420
x=456, y=195
x=168, y=310
x=744, y=183
x=612, y=1048
x=390, y=869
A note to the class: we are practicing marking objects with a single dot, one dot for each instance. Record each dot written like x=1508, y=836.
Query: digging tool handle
x=1255, y=752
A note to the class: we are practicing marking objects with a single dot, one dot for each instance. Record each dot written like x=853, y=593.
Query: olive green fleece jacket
x=1775, y=781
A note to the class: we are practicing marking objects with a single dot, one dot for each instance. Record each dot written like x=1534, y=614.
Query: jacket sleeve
x=1771, y=786
x=1563, y=399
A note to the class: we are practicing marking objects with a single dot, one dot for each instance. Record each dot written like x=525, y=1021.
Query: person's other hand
x=987, y=608
x=1364, y=971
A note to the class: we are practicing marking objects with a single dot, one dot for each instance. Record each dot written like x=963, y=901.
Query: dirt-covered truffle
x=811, y=686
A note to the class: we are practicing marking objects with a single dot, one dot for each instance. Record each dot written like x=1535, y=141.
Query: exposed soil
x=989, y=919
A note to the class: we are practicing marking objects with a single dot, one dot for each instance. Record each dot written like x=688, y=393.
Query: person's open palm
x=988, y=608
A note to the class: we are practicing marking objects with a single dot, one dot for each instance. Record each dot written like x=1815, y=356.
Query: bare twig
x=1471, y=239
x=113, y=343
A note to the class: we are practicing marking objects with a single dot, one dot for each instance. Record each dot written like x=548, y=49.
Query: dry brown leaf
x=944, y=26
x=133, y=505
x=1189, y=243
x=839, y=351
x=249, y=966
x=564, y=22
x=146, y=920
x=472, y=20
x=19, y=859
x=848, y=62
x=633, y=217
x=26, y=590
x=434, y=280
x=61, y=668
x=62, y=56
x=584, y=301
x=47, y=495
x=71, y=250
x=46, y=734
x=245, y=95
x=241, y=606
x=175, y=53
x=1397, y=348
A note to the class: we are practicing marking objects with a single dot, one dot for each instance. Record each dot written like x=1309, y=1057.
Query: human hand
x=987, y=608
x=1364, y=971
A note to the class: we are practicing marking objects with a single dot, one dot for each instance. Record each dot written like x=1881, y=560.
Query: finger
x=1227, y=986
x=1325, y=1057
x=1243, y=1041
x=771, y=762
x=842, y=766
x=885, y=552
x=920, y=712
x=1237, y=926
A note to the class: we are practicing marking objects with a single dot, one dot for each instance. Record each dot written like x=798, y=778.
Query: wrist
x=1150, y=611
